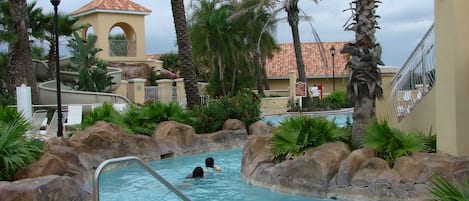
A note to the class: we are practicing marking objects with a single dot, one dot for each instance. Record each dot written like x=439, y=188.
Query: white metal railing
x=416, y=77
x=142, y=164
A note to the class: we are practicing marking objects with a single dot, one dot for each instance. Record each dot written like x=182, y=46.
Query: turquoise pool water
x=133, y=184
x=339, y=118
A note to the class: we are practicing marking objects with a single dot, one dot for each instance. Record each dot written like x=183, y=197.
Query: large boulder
x=351, y=164
x=260, y=128
x=233, y=124
x=47, y=188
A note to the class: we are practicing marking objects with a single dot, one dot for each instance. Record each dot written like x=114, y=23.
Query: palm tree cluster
x=20, y=21
x=230, y=46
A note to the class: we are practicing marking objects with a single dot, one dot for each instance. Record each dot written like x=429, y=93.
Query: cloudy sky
x=403, y=23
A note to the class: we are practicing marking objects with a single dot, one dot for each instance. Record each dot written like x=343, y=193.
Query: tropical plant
x=245, y=106
x=391, y=143
x=337, y=100
x=443, y=190
x=364, y=86
x=16, y=152
x=105, y=112
x=92, y=70
x=293, y=18
x=184, y=48
x=298, y=133
x=429, y=141
x=43, y=29
x=143, y=119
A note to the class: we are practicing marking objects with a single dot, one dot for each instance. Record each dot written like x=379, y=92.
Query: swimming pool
x=339, y=118
x=132, y=183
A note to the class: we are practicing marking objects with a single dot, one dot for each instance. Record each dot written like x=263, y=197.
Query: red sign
x=300, y=89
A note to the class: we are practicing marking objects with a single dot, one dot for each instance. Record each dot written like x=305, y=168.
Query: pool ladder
x=143, y=165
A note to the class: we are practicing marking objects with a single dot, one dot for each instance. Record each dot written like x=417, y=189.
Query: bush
x=429, y=141
x=337, y=100
x=442, y=189
x=16, y=152
x=143, y=119
x=104, y=113
x=245, y=106
x=390, y=143
x=299, y=133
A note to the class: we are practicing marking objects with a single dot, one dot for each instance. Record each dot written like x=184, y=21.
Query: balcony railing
x=122, y=48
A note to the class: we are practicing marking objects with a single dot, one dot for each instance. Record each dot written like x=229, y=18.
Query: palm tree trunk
x=293, y=20
x=22, y=61
x=188, y=72
x=51, y=59
x=369, y=57
x=264, y=73
x=259, y=73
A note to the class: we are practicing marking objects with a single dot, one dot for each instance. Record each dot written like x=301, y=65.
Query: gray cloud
x=403, y=23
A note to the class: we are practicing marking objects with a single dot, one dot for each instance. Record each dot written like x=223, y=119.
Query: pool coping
x=317, y=113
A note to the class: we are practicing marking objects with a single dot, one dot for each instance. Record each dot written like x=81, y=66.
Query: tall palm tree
x=365, y=79
x=293, y=18
x=184, y=48
x=261, y=43
x=219, y=41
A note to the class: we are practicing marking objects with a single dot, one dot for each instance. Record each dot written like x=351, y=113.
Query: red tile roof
x=112, y=5
x=284, y=61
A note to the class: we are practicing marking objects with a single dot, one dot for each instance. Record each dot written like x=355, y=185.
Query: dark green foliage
x=6, y=99
x=429, y=141
x=298, y=133
x=104, y=113
x=337, y=100
x=92, y=70
x=245, y=106
x=143, y=119
x=208, y=119
x=391, y=143
x=443, y=190
x=16, y=152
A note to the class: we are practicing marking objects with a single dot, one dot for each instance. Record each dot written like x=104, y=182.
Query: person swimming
x=210, y=163
x=198, y=172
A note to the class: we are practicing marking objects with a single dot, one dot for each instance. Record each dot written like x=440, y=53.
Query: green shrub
x=443, y=190
x=245, y=106
x=105, y=112
x=208, y=119
x=16, y=152
x=390, y=143
x=299, y=133
x=6, y=99
x=337, y=100
x=429, y=141
x=143, y=119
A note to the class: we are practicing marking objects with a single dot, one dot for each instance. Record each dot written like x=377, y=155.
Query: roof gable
x=284, y=61
x=114, y=6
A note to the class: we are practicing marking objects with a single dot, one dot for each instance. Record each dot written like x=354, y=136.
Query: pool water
x=340, y=119
x=132, y=183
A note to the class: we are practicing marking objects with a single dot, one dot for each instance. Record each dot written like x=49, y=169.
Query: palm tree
x=43, y=30
x=190, y=82
x=293, y=18
x=261, y=43
x=217, y=40
x=365, y=80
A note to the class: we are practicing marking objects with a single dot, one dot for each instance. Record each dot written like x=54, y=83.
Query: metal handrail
x=143, y=165
x=417, y=76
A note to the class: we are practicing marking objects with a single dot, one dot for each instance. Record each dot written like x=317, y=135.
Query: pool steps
x=143, y=165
